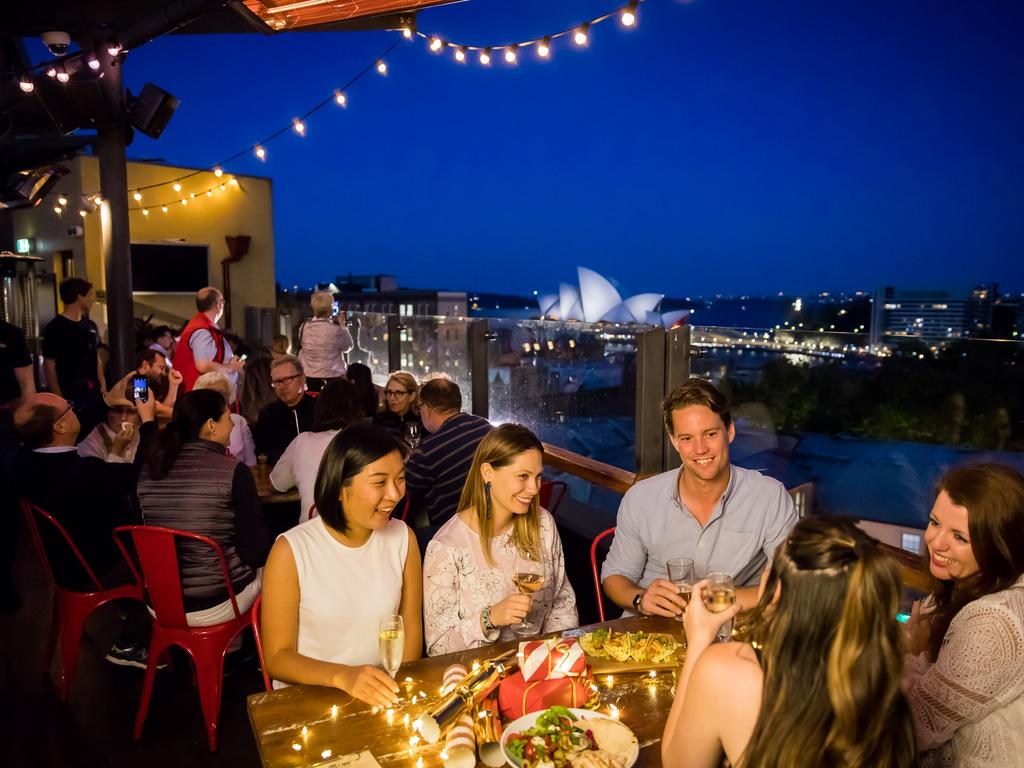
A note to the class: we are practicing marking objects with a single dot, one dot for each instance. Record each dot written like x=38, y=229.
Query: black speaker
x=152, y=109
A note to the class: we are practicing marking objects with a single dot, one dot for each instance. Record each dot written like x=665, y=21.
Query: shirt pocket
x=733, y=553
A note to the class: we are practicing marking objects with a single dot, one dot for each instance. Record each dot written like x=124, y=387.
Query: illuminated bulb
x=192, y=195
x=334, y=710
x=297, y=747
x=261, y=153
x=382, y=68
x=234, y=181
x=614, y=711
x=51, y=71
x=544, y=48
x=58, y=210
x=218, y=172
x=652, y=674
x=62, y=200
x=184, y=201
x=340, y=99
x=407, y=33
x=485, y=56
x=580, y=38
x=97, y=199
x=436, y=44
x=164, y=208
x=93, y=62
x=209, y=193
x=176, y=187
x=222, y=187
x=460, y=55
x=305, y=731
x=326, y=753
x=145, y=211
x=510, y=55
x=299, y=126
x=83, y=214
x=63, y=76
x=628, y=17
x=26, y=84
x=113, y=47
x=138, y=197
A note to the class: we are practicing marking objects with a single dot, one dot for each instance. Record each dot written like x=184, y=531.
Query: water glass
x=719, y=594
x=680, y=573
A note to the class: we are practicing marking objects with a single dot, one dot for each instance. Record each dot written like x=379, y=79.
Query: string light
x=544, y=48
x=93, y=62
x=58, y=210
x=176, y=187
x=261, y=153
x=436, y=44
x=299, y=126
x=407, y=33
x=628, y=17
x=460, y=55
x=26, y=84
x=113, y=47
x=83, y=214
x=510, y=54
x=218, y=172
x=580, y=35
x=63, y=76
x=382, y=67
x=164, y=208
x=485, y=56
x=184, y=201
x=138, y=197
x=145, y=211
x=51, y=71
x=192, y=195
x=62, y=200
x=340, y=99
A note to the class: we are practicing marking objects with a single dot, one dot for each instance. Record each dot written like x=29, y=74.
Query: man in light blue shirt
x=724, y=518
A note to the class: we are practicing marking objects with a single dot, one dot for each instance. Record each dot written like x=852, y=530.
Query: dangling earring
x=487, y=495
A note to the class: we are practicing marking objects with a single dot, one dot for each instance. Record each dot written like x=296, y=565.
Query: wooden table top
x=267, y=492
x=278, y=717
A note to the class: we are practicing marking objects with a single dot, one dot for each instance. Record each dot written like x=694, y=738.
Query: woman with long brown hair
x=965, y=675
x=816, y=682
x=469, y=594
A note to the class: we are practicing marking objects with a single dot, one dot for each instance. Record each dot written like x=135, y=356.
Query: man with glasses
x=88, y=497
x=282, y=420
x=203, y=346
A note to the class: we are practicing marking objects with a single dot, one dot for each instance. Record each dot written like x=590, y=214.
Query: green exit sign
x=25, y=245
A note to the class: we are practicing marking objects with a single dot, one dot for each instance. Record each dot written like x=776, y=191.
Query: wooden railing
x=913, y=572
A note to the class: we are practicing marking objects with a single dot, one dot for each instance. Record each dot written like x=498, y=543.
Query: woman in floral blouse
x=469, y=598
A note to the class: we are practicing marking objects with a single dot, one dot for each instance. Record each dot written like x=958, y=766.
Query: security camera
x=57, y=42
x=75, y=231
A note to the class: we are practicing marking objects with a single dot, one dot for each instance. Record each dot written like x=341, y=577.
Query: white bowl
x=528, y=721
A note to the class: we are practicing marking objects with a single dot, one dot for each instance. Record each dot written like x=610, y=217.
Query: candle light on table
x=297, y=747
x=326, y=753
x=334, y=711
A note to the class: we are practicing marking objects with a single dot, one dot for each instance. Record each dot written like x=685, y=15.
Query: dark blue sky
x=722, y=146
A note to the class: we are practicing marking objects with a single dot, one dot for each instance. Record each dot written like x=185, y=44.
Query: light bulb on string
x=113, y=47
x=460, y=55
x=510, y=54
x=176, y=187
x=407, y=33
x=209, y=193
x=299, y=126
x=222, y=187
x=83, y=214
x=58, y=210
x=145, y=211
x=164, y=208
x=26, y=84
x=436, y=44
x=63, y=76
x=218, y=172
x=192, y=195
x=97, y=199
x=62, y=200
x=234, y=182
x=184, y=201
x=93, y=62
x=544, y=48
x=485, y=56
x=261, y=153
x=580, y=36
x=51, y=71
x=340, y=98
x=628, y=16
x=138, y=197
x=382, y=67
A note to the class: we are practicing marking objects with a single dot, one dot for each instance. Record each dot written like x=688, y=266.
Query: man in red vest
x=202, y=347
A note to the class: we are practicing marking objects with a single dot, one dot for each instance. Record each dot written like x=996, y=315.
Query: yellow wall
x=243, y=209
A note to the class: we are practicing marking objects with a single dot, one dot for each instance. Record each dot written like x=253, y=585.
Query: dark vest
x=195, y=496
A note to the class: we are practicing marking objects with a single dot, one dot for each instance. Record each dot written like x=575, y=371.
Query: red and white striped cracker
x=551, y=659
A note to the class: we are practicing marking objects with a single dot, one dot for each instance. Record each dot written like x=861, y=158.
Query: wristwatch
x=637, y=600
x=485, y=619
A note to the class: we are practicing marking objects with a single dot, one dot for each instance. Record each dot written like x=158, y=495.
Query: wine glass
x=412, y=434
x=719, y=594
x=680, y=573
x=528, y=578
x=391, y=633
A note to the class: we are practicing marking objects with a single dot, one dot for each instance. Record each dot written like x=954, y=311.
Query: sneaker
x=130, y=655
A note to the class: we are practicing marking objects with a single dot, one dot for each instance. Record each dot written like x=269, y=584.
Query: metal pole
x=479, y=340
x=650, y=388
x=395, y=328
x=116, y=235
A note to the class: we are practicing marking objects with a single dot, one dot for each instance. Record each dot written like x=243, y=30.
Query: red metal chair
x=551, y=494
x=256, y=612
x=405, y=509
x=205, y=645
x=71, y=609
x=594, y=570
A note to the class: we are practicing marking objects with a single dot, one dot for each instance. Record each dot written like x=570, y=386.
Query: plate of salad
x=560, y=737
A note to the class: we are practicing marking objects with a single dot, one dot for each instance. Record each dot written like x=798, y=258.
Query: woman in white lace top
x=964, y=677
x=469, y=598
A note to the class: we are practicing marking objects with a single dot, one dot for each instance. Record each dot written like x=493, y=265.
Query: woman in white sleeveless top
x=329, y=581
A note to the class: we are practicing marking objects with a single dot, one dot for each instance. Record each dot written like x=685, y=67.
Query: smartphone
x=140, y=388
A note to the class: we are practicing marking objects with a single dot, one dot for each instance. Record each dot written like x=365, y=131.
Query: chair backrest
x=257, y=611
x=33, y=513
x=157, y=550
x=551, y=494
x=595, y=571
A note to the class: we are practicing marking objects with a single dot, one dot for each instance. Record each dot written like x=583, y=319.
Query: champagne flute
x=719, y=594
x=391, y=634
x=680, y=573
x=412, y=434
x=528, y=578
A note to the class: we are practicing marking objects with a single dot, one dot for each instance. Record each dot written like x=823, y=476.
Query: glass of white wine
x=719, y=594
x=680, y=573
x=391, y=633
x=412, y=434
x=528, y=578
